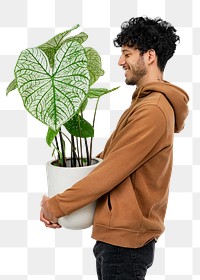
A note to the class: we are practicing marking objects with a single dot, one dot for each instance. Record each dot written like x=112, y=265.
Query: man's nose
x=121, y=61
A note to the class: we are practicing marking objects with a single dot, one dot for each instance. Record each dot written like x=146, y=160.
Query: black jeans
x=118, y=263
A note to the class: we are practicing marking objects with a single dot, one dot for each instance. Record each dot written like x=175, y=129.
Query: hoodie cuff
x=54, y=207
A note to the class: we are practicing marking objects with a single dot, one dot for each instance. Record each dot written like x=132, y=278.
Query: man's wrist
x=54, y=207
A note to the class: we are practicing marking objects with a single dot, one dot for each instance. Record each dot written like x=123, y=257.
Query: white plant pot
x=61, y=178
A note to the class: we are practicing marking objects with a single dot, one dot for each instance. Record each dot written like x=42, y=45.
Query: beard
x=138, y=71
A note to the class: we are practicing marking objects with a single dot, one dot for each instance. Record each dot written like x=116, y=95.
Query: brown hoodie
x=131, y=185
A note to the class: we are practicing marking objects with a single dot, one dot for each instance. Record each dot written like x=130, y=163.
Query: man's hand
x=46, y=215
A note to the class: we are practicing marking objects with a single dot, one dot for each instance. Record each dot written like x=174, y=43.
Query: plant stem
x=86, y=147
x=62, y=149
x=73, y=147
x=78, y=156
x=80, y=140
x=73, y=154
x=94, y=118
x=87, y=152
x=56, y=140
x=81, y=151
x=66, y=136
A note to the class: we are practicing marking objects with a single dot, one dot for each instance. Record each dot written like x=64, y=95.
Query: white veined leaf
x=58, y=39
x=52, y=46
x=94, y=64
x=98, y=92
x=53, y=96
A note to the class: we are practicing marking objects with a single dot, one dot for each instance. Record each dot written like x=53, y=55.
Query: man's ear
x=151, y=56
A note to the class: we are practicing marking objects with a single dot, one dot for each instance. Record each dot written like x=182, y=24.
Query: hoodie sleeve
x=142, y=137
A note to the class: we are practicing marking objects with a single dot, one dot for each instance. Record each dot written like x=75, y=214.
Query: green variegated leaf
x=53, y=96
x=57, y=41
x=50, y=47
x=98, y=92
x=94, y=64
x=80, y=38
x=79, y=127
x=11, y=86
x=50, y=51
x=83, y=105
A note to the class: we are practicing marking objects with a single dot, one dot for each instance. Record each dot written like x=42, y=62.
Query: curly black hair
x=144, y=33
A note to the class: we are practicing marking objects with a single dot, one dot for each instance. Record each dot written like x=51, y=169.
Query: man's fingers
x=46, y=216
x=43, y=219
x=47, y=222
x=54, y=226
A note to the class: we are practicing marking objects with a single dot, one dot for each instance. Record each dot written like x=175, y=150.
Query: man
x=131, y=185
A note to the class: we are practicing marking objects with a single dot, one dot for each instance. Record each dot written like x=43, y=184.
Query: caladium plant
x=54, y=81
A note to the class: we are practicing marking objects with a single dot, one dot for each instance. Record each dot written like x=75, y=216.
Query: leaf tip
x=76, y=26
x=12, y=86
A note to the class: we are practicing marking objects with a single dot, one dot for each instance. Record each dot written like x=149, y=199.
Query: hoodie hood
x=176, y=96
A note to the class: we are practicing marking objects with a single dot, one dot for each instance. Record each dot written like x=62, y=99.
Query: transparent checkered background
x=30, y=251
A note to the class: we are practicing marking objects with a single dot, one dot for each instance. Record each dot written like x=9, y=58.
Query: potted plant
x=54, y=81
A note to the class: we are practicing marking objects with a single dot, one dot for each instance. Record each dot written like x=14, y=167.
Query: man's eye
x=126, y=55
